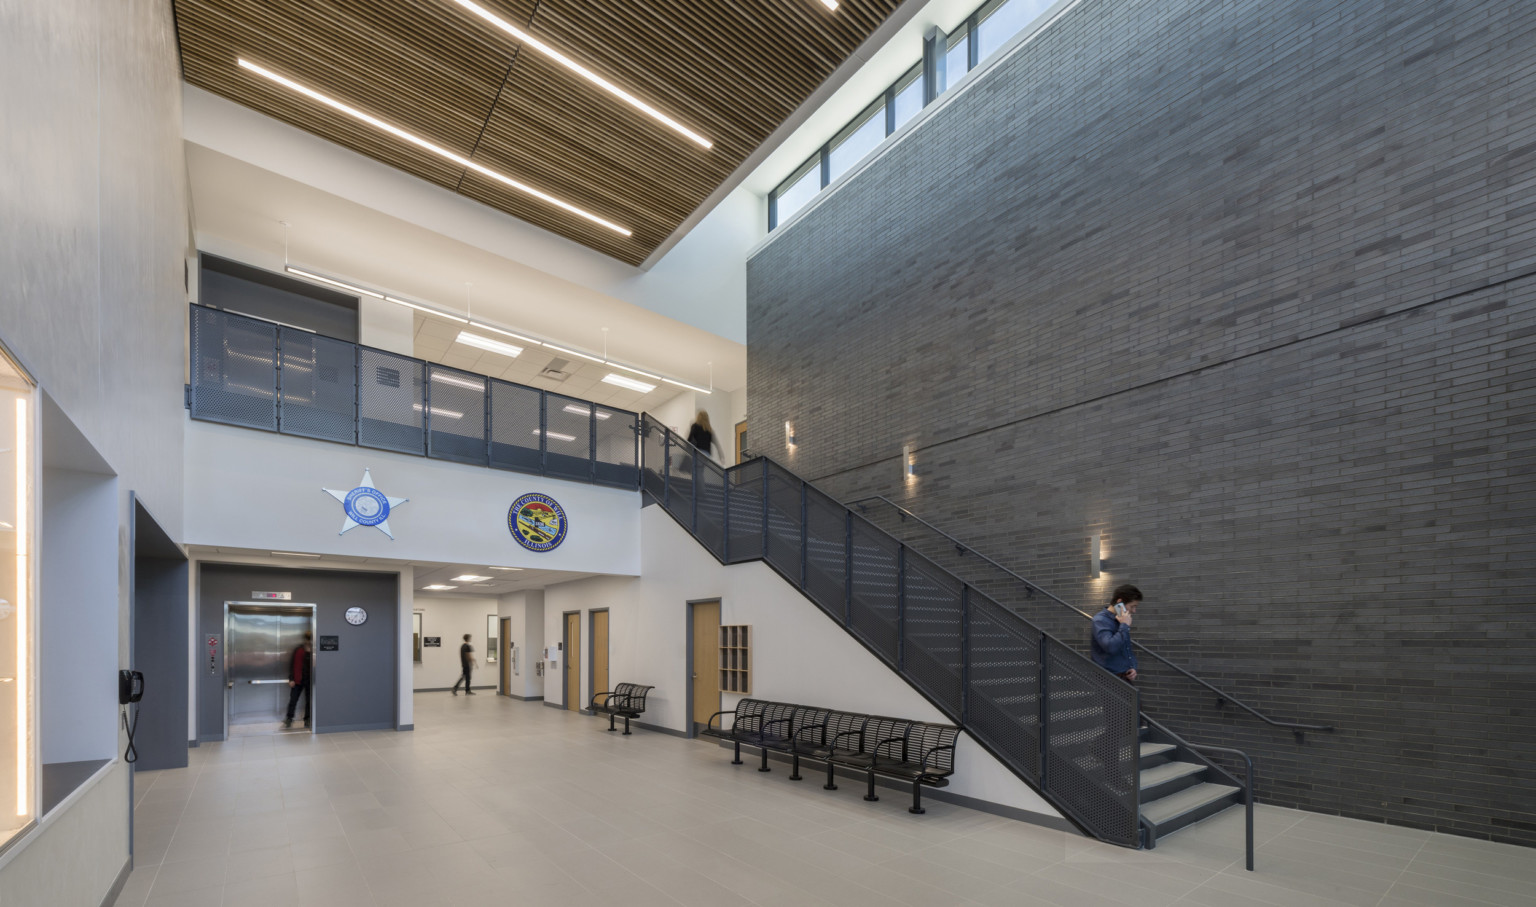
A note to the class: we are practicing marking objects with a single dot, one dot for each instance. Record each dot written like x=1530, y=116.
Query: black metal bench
x=915, y=752
x=627, y=700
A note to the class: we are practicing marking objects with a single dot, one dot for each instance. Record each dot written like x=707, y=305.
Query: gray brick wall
x=1245, y=287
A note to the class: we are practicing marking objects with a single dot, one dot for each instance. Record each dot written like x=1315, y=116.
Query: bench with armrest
x=627, y=700
x=915, y=752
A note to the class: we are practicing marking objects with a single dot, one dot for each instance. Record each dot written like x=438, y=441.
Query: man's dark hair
x=1125, y=593
x=467, y=635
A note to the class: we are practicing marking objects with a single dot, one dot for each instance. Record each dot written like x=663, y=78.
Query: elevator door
x=258, y=660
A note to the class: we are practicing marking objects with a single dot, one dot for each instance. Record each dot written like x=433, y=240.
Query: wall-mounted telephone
x=130, y=689
x=130, y=686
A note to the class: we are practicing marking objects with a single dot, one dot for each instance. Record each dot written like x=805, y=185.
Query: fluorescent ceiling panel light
x=439, y=411
x=530, y=41
x=692, y=387
x=561, y=349
x=291, y=554
x=489, y=345
x=506, y=333
x=427, y=309
x=575, y=410
x=425, y=145
x=634, y=371
x=437, y=587
x=335, y=283
x=558, y=436
x=470, y=578
x=632, y=384
x=458, y=381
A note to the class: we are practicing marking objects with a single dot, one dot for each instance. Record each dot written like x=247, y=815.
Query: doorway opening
x=506, y=656
x=572, y=661
x=262, y=644
x=598, y=657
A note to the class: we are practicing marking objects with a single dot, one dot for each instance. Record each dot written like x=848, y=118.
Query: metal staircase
x=1067, y=728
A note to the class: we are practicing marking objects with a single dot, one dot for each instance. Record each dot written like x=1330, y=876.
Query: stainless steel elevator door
x=258, y=656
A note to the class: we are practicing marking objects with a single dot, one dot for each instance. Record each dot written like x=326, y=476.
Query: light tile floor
x=504, y=802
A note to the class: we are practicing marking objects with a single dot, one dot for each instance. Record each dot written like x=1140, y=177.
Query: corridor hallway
x=499, y=801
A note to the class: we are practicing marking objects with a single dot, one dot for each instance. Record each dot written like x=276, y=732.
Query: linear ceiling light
x=558, y=436
x=427, y=309
x=692, y=387
x=633, y=371
x=507, y=569
x=472, y=384
x=335, y=283
x=292, y=554
x=489, y=345
x=561, y=349
x=422, y=143
x=439, y=411
x=475, y=322
x=575, y=410
x=470, y=578
x=586, y=73
x=632, y=384
x=439, y=587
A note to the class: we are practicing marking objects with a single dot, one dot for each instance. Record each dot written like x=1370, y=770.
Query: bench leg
x=610, y=722
x=626, y=727
x=794, y=762
x=831, y=784
x=765, y=767
x=737, y=760
x=917, y=799
x=871, y=795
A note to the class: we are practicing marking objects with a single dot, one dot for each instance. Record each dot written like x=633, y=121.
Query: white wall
x=450, y=617
x=263, y=491
x=725, y=410
x=800, y=655
x=386, y=326
x=526, y=611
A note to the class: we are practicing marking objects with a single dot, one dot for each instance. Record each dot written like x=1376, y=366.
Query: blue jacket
x=1112, y=649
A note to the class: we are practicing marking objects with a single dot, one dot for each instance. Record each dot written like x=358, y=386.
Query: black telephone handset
x=130, y=686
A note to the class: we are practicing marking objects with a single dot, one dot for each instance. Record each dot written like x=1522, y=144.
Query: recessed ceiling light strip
x=422, y=143
x=585, y=73
x=478, y=323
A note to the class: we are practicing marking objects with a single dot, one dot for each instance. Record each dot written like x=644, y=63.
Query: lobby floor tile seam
x=1406, y=866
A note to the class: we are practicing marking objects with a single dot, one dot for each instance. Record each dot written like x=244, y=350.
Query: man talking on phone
x=1112, y=649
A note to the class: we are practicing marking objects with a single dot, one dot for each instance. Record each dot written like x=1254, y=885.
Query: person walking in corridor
x=466, y=664
x=300, y=668
x=1112, y=649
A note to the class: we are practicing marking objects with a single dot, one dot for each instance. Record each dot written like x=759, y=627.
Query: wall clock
x=356, y=616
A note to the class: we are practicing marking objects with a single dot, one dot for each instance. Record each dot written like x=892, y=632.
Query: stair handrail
x=648, y=423
x=1247, y=786
x=1296, y=727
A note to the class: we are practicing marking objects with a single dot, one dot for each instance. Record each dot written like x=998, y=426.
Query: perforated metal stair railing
x=1064, y=726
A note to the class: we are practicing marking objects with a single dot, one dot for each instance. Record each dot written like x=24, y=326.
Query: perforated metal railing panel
x=234, y=370
x=567, y=437
x=873, y=605
x=745, y=526
x=826, y=553
x=680, y=483
x=1092, y=756
x=931, y=631
x=1003, y=696
x=653, y=458
x=319, y=387
x=254, y=373
x=516, y=441
x=457, y=415
x=391, y=407
x=710, y=528
x=618, y=457
x=781, y=548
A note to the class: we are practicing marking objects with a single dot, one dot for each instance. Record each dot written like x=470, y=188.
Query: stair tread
x=1155, y=749
x=1174, y=805
x=1168, y=771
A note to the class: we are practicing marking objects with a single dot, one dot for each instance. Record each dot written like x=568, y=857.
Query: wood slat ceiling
x=732, y=70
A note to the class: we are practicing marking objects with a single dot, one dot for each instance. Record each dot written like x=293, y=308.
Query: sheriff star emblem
x=366, y=506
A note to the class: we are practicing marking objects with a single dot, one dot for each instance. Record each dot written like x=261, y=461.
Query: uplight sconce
x=1095, y=554
x=909, y=463
x=789, y=434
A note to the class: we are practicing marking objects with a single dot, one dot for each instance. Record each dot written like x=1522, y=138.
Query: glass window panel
x=1005, y=22
x=416, y=635
x=18, y=614
x=956, y=60
x=801, y=191
x=909, y=100
x=858, y=143
x=492, y=644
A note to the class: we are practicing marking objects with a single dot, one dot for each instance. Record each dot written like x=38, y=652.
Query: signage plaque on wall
x=330, y=644
x=365, y=505
x=273, y=596
x=431, y=642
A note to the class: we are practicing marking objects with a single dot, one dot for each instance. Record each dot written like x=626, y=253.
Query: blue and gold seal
x=537, y=522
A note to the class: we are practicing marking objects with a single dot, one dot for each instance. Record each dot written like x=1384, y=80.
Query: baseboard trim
x=118, y=883
x=405, y=727
x=658, y=728
x=490, y=686
x=524, y=698
x=192, y=744
x=1054, y=823
x=555, y=705
x=345, y=728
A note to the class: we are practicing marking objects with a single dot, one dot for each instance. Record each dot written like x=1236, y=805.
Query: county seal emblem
x=537, y=522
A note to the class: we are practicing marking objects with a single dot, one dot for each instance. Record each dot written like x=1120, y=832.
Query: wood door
x=706, y=661
x=573, y=662
x=600, y=652
x=505, y=643
x=741, y=439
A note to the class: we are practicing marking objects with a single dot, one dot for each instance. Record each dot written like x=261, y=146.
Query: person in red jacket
x=300, y=668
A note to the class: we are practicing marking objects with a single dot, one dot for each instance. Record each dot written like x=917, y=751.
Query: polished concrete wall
x=1247, y=288
x=93, y=236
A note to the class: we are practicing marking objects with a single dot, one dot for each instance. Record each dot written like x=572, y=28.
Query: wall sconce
x=908, y=464
x=1095, y=554
x=789, y=434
